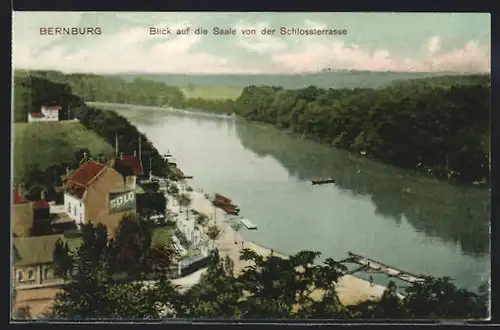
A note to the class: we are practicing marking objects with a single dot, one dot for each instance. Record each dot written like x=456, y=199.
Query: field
x=211, y=92
x=48, y=143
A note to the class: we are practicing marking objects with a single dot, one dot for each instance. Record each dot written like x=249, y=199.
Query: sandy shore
x=350, y=289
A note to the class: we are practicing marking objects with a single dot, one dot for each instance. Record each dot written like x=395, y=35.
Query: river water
x=398, y=217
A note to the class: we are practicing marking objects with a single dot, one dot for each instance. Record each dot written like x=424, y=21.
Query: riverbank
x=350, y=289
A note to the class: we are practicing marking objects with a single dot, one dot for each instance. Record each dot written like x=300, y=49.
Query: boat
x=229, y=209
x=222, y=199
x=187, y=177
x=248, y=224
x=322, y=181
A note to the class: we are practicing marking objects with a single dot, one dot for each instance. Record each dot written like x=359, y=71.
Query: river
x=398, y=217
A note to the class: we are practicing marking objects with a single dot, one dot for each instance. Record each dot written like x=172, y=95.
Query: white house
x=74, y=208
x=47, y=113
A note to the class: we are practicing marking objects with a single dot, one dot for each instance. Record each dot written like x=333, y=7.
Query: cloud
x=130, y=50
x=128, y=46
x=259, y=43
x=434, y=44
x=338, y=55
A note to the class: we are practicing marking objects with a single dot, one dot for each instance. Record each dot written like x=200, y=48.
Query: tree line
x=439, y=125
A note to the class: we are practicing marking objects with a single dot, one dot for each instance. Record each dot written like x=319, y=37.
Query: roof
x=86, y=173
x=39, y=249
x=17, y=198
x=37, y=115
x=132, y=162
x=52, y=107
x=40, y=205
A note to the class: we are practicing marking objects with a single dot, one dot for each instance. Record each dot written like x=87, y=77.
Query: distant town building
x=100, y=194
x=33, y=272
x=25, y=214
x=47, y=113
x=22, y=215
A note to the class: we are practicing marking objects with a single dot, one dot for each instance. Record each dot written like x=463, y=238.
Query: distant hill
x=46, y=144
x=340, y=79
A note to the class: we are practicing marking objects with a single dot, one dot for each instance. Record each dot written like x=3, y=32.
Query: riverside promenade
x=350, y=289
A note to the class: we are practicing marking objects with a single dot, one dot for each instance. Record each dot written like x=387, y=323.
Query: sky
x=405, y=42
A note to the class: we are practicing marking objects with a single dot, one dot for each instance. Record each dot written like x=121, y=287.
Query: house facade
x=100, y=194
x=33, y=276
x=23, y=216
x=47, y=113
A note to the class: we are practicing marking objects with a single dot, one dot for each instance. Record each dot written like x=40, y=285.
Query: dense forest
x=325, y=79
x=439, y=125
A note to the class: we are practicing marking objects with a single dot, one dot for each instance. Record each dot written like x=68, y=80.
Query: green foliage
x=96, y=292
x=439, y=125
x=63, y=260
x=46, y=144
x=201, y=219
x=268, y=287
x=151, y=202
x=36, y=88
x=217, y=295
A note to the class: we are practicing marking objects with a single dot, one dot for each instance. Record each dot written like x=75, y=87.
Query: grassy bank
x=49, y=143
x=212, y=92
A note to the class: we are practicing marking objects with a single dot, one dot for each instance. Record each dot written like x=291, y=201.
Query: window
x=81, y=220
x=31, y=275
x=47, y=273
x=81, y=204
x=74, y=211
x=69, y=207
x=20, y=276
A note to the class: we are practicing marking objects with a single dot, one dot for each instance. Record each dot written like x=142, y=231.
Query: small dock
x=322, y=181
x=248, y=224
x=379, y=267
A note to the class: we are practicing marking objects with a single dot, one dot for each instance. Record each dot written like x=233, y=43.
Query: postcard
x=250, y=166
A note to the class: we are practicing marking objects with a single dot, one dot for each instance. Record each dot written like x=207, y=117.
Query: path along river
x=406, y=220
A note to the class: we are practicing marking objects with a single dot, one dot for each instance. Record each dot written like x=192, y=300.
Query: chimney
x=121, y=155
x=135, y=153
x=43, y=194
x=67, y=170
x=20, y=189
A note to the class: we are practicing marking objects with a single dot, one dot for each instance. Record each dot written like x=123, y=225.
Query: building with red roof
x=97, y=192
x=17, y=198
x=47, y=113
x=133, y=162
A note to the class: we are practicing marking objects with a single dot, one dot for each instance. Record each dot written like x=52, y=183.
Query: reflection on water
x=406, y=220
x=457, y=214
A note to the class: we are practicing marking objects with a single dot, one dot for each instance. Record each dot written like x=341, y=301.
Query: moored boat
x=322, y=181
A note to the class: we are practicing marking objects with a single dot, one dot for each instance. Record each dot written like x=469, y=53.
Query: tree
x=213, y=232
x=201, y=219
x=236, y=227
x=86, y=296
x=63, y=261
x=281, y=287
x=132, y=244
x=94, y=292
x=184, y=201
x=217, y=295
x=440, y=298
